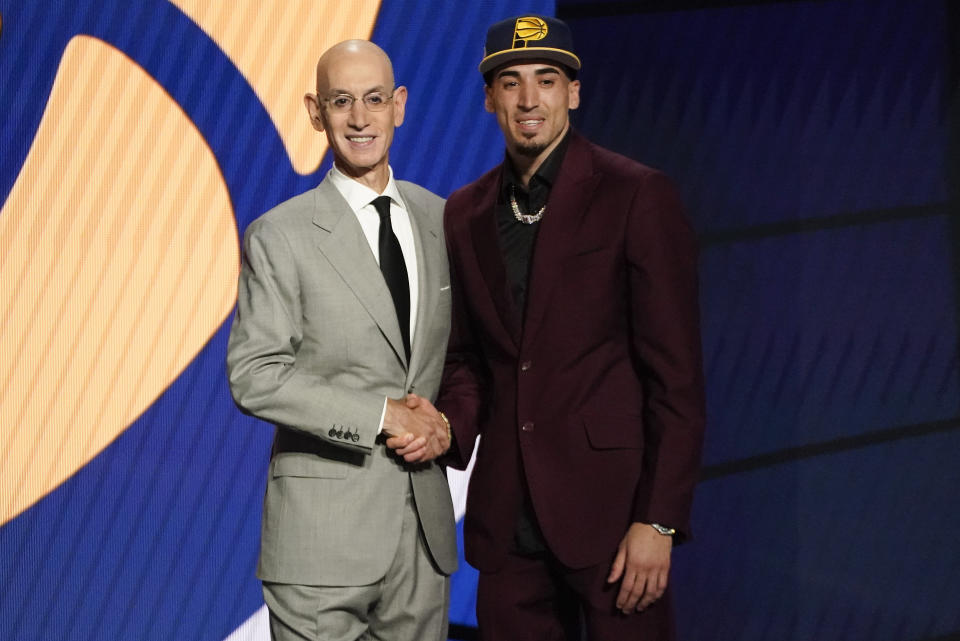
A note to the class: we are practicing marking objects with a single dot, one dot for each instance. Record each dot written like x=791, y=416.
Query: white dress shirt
x=360, y=198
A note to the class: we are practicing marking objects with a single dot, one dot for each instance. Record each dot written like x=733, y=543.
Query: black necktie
x=394, y=269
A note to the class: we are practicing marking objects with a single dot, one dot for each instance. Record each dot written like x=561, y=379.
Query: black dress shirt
x=517, y=244
x=517, y=239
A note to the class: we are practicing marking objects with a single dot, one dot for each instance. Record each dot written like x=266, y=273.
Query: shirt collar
x=546, y=172
x=359, y=195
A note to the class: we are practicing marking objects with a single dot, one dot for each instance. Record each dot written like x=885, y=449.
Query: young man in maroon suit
x=575, y=355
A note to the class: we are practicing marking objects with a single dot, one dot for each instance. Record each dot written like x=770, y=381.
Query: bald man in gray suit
x=343, y=309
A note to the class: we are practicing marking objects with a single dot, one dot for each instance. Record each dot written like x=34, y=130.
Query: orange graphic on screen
x=118, y=243
x=118, y=260
x=275, y=46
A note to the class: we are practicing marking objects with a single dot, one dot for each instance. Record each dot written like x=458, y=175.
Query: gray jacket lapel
x=342, y=241
x=425, y=237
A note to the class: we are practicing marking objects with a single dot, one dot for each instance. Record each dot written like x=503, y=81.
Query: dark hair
x=570, y=73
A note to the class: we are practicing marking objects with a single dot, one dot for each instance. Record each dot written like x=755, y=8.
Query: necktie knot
x=382, y=205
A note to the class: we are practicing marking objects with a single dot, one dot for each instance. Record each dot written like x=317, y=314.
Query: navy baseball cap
x=528, y=37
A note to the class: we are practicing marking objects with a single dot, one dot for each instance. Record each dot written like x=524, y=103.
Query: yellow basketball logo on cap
x=527, y=29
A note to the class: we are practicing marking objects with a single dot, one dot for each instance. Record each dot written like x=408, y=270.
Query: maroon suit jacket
x=596, y=402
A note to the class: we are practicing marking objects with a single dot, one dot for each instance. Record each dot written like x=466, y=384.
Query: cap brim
x=501, y=58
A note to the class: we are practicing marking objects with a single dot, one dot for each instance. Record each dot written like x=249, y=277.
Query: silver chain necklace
x=526, y=219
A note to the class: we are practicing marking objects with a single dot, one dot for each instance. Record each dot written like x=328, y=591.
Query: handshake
x=415, y=429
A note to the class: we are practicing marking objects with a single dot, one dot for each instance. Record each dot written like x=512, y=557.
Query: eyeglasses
x=373, y=101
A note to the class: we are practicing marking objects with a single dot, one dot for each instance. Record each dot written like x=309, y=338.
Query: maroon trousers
x=535, y=598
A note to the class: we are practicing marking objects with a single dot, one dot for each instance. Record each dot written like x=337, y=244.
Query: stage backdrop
x=815, y=145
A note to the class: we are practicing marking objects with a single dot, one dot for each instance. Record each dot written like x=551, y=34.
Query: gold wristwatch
x=447, y=422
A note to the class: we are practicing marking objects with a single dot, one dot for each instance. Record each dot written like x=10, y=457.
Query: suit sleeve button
x=525, y=365
x=355, y=437
x=527, y=427
x=332, y=433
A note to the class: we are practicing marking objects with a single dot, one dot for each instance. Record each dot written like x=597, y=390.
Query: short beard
x=531, y=150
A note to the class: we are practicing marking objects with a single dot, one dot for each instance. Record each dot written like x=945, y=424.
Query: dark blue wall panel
x=811, y=141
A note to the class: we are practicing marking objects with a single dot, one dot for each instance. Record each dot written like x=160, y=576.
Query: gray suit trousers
x=409, y=604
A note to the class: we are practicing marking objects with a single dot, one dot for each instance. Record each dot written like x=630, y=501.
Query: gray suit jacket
x=314, y=348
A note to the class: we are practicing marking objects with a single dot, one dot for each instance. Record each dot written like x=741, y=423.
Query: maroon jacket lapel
x=569, y=200
x=486, y=247
x=568, y=203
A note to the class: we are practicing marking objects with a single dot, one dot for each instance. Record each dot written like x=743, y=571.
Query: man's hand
x=643, y=562
x=414, y=429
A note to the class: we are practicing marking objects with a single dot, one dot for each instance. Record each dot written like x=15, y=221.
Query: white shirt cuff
x=383, y=415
